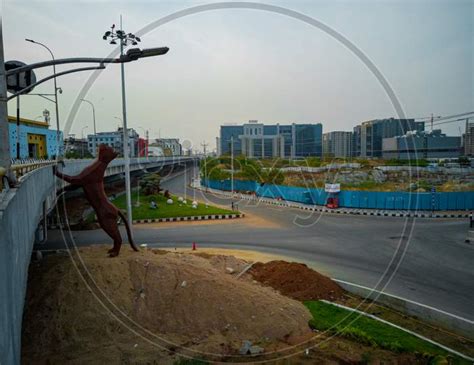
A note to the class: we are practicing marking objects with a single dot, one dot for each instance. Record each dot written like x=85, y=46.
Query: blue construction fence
x=353, y=199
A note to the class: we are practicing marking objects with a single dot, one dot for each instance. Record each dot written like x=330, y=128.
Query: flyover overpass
x=22, y=209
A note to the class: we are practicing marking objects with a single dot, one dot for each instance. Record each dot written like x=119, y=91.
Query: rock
x=183, y=284
x=169, y=201
x=248, y=349
x=245, y=349
x=230, y=270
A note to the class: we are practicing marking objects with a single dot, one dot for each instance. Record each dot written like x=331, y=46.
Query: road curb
x=352, y=211
x=191, y=218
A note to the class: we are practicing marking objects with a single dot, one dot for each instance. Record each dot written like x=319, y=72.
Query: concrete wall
x=20, y=212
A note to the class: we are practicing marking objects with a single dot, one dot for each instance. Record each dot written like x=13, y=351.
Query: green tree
x=150, y=184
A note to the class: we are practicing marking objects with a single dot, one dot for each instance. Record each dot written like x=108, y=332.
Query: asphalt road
x=424, y=260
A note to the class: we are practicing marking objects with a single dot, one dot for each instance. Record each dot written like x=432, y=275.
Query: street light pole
x=58, y=139
x=232, y=165
x=82, y=140
x=93, y=119
x=5, y=161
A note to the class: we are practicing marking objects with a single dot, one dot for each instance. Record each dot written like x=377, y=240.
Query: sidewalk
x=353, y=211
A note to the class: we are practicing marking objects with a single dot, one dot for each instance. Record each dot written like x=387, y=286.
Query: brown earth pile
x=296, y=280
x=191, y=301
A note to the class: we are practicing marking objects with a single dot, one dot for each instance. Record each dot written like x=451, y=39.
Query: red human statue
x=91, y=179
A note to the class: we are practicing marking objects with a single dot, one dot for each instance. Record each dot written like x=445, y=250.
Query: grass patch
x=339, y=321
x=164, y=210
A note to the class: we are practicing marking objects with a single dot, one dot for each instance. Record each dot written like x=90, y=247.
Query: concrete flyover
x=22, y=209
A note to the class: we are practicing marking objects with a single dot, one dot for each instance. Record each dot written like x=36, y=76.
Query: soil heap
x=296, y=280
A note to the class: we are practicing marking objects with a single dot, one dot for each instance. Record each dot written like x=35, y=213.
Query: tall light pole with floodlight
x=56, y=88
x=124, y=39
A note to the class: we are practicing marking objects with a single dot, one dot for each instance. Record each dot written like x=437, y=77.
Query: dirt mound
x=192, y=301
x=296, y=280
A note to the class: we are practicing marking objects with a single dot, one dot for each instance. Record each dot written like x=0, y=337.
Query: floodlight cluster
x=119, y=35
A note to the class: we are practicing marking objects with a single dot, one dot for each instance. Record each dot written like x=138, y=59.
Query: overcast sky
x=229, y=66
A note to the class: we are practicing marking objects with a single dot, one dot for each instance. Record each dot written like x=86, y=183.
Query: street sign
x=18, y=82
x=332, y=188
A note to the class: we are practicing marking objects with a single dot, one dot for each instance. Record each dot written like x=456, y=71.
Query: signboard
x=332, y=188
x=18, y=82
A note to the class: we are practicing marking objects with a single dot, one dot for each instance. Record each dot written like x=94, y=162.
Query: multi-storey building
x=257, y=140
x=76, y=145
x=368, y=136
x=34, y=139
x=421, y=145
x=337, y=144
x=169, y=146
x=468, y=142
x=114, y=140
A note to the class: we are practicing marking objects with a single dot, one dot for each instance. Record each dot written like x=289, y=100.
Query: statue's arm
x=74, y=180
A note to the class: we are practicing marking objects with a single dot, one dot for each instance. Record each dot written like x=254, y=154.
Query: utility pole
x=5, y=162
x=146, y=145
x=18, y=155
x=232, y=165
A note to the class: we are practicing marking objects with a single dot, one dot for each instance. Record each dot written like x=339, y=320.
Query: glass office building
x=257, y=140
x=368, y=136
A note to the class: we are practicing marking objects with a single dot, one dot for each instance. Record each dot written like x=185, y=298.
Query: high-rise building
x=257, y=140
x=421, y=145
x=337, y=144
x=368, y=135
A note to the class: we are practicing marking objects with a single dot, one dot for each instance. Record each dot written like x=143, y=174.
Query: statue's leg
x=111, y=228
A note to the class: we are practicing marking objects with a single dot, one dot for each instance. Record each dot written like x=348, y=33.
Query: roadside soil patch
x=296, y=280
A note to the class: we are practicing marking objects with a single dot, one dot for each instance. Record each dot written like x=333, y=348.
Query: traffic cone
x=194, y=246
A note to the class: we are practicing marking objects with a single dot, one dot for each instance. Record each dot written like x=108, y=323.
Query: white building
x=170, y=146
x=114, y=140
x=337, y=144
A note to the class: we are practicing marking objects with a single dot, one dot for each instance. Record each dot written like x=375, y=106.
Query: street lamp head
x=30, y=40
